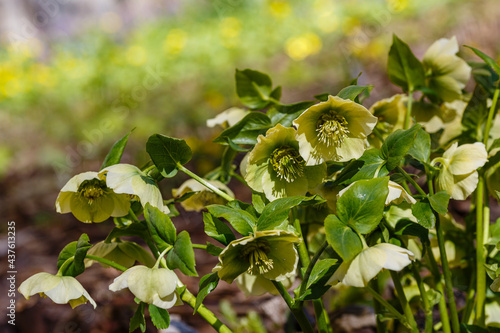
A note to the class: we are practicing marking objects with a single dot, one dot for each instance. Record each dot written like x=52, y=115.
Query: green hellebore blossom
x=129, y=179
x=276, y=168
x=90, y=200
x=369, y=262
x=391, y=112
x=269, y=253
x=458, y=175
x=203, y=196
x=124, y=253
x=447, y=74
x=60, y=289
x=335, y=130
x=155, y=286
x=257, y=285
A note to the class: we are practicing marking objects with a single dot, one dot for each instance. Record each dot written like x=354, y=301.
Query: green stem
x=413, y=182
x=388, y=306
x=64, y=265
x=470, y=300
x=378, y=307
x=322, y=319
x=408, y=110
x=491, y=113
x=443, y=309
x=480, y=253
x=303, y=252
x=309, y=269
x=204, y=183
x=160, y=257
x=106, y=262
x=199, y=246
x=425, y=300
x=297, y=313
x=455, y=324
x=403, y=301
x=208, y=315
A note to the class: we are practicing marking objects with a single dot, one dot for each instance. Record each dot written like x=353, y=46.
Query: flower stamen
x=92, y=189
x=256, y=254
x=287, y=163
x=332, y=129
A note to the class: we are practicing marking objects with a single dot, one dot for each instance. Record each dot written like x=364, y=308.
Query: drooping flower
x=276, y=167
x=90, y=200
x=390, y=112
x=447, y=74
x=124, y=253
x=397, y=194
x=203, y=195
x=495, y=286
x=257, y=285
x=60, y=289
x=457, y=175
x=269, y=253
x=358, y=271
x=155, y=286
x=129, y=179
x=228, y=118
x=335, y=130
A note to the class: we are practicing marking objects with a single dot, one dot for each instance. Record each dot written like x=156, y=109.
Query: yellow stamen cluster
x=287, y=163
x=332, y=128
x=256, y=253
x=92, y=189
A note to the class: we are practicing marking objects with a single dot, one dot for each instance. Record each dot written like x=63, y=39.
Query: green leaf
x=214, y=250
x=293, y=108
x=259, y=201
x=473, y=329
x=182, y=255
x=276, y=93
x=421, y=148
x=246, y=131
x=439, y=202
x=167, y=152
x=115, y=154
x=78, y=250
x=320, y=274
x=277, y=212
x=410, y=228
x=352, y=92
x=342, y=238
x=373, y=162
x=241, y=220
x=217, y=229
x=362, y=205
x=135, y=229
x=397, y=145
x=253, y=88
x=207, y=284
x=487, y=59
x=404, y=69
x=159, y=317
x=423, y=212
x=138, y=321
x=160, y=226
x=476, y=113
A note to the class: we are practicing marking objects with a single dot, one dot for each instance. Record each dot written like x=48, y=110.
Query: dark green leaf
x=409, y=228
x=473, y=329
x=207, y=285
x=276, y=93
x=293, y=108
x=423, y=212
x=277, y=212
x=485, y=76
x=494, y=145
x=242, y=221
x=253, y=88
x=217, y=229
x=320, y=274
x=322, y=97
x=160, y=226
x=182, y=255
x=135, y=229
x=259, y=201
x=214, y=250
x=439, y=202
x=138, y=321
x=362, y=205
x=77, y=249
x=115, y=154
x=487, y=59
x=159, y=317
x=373, y=162
x=351, y=92
x=476, y=113
x=342, y=238
x=167, y=152
x=246, y=131
x=397, y=145
x=404, y=69
x=348, y=172
x=421, y=149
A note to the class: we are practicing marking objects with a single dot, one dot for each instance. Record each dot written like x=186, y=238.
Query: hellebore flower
x=335, y=130
x=124, y=253
x=458, y=175
x=129, y=179
x=203, y=196
x=60, y=289
x=391, y=112
x=269, y=253
x=228, y=118
x=447, y=74
x=369, y=262
x=155, y=286
x=495, y=286
x=257, y=285
x=90, y=200
x=276, y=168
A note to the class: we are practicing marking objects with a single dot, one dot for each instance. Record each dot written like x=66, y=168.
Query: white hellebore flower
x=397, y=194
x=60, y=289
x=228, y=118
x=458, y=175
x=369, y=262
x=155, y=286
x=126, y=178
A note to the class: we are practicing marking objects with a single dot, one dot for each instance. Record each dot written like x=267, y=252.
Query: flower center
x=287, y=163
x=256, y=253
x=92, y=189
x=332, y=128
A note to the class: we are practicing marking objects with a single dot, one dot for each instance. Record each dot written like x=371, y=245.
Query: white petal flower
x=60, y=289
x=155, y=286
x=228, y=118
x=203, y=196
x=126, y=178
x=369, y=262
